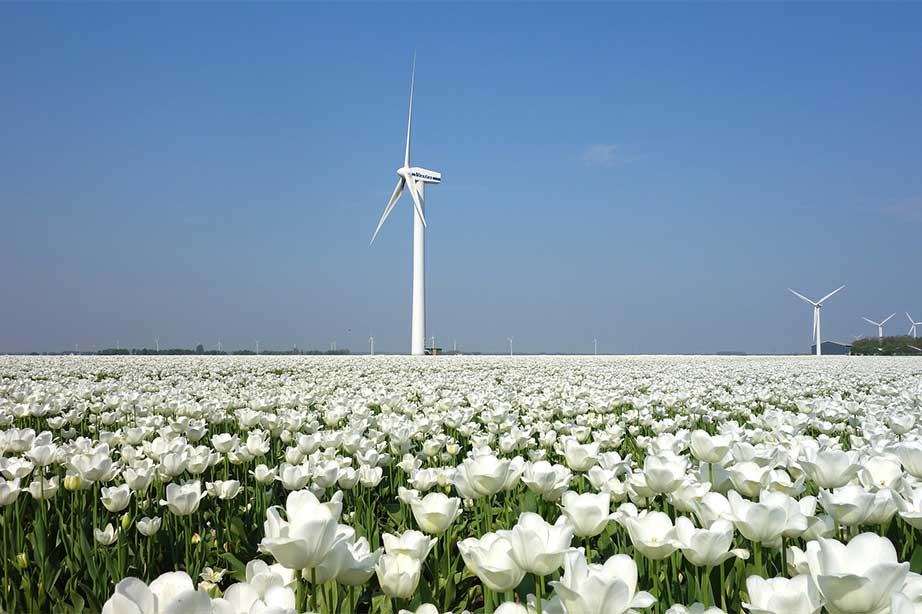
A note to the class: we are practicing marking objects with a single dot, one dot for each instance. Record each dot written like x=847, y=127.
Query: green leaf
x=915, y=563
x=238, y=568
x=381, y=603
x=77, y=604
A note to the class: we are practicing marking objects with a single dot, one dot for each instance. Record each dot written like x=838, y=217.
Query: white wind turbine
x=912, y=329
x=879, y=325
x=415, y=178
x=816, y=317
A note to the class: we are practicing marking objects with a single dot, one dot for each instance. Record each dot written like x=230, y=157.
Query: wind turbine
x=510, y=345
x=879, y=325
x=912, y=329
x=414, y=178
x=157, y=343
x=371, y=342
x=816, y=316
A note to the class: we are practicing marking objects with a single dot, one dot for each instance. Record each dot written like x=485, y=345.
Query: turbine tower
x=879, y=325
x=415, y=179
x=816, y=317
x=912, y=329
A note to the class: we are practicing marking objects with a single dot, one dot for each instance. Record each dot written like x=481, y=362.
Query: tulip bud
x=126, y=521
x=72, y=482
x=196, y=538
x=21, y=561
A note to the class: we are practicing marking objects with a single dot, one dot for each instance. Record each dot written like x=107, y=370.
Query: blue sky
x=653, y=176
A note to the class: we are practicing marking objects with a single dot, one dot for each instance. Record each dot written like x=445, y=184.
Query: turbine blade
x=910, y=318
x=888, y=317
x=797, y=294
x=390, y=205
x=406, y=157
x=411, y=187
x=870, y=321
x=830, y=294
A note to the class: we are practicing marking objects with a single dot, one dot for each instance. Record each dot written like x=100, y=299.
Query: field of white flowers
x=546, y=485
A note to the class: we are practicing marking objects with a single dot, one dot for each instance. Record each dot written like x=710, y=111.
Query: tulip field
x=507, y=485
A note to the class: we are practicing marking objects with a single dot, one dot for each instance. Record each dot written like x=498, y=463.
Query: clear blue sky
x=651, y=175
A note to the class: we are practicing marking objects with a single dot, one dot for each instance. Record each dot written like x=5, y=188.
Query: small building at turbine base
x=833, y=348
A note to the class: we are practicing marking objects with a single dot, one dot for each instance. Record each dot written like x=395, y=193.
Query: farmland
x=489, y=484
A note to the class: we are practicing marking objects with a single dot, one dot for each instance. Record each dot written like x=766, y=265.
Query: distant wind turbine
x=510, y=346
x=912, y=329
x=157, y=343
x=817, y=338
x=371, y=342
x=879, y=325
x=415, y=178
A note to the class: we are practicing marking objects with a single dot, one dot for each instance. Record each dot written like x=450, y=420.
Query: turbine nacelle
x=419, y=174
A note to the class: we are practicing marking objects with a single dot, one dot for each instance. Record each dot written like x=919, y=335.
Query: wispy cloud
x=909, y=209
x=601, y=154
x=606, y=155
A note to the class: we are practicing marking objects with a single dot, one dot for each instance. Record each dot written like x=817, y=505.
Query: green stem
x=784, y=556
x=668, y=582
x=706, y=587
x=538, y=586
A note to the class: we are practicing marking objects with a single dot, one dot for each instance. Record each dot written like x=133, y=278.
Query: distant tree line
x=888, y=346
